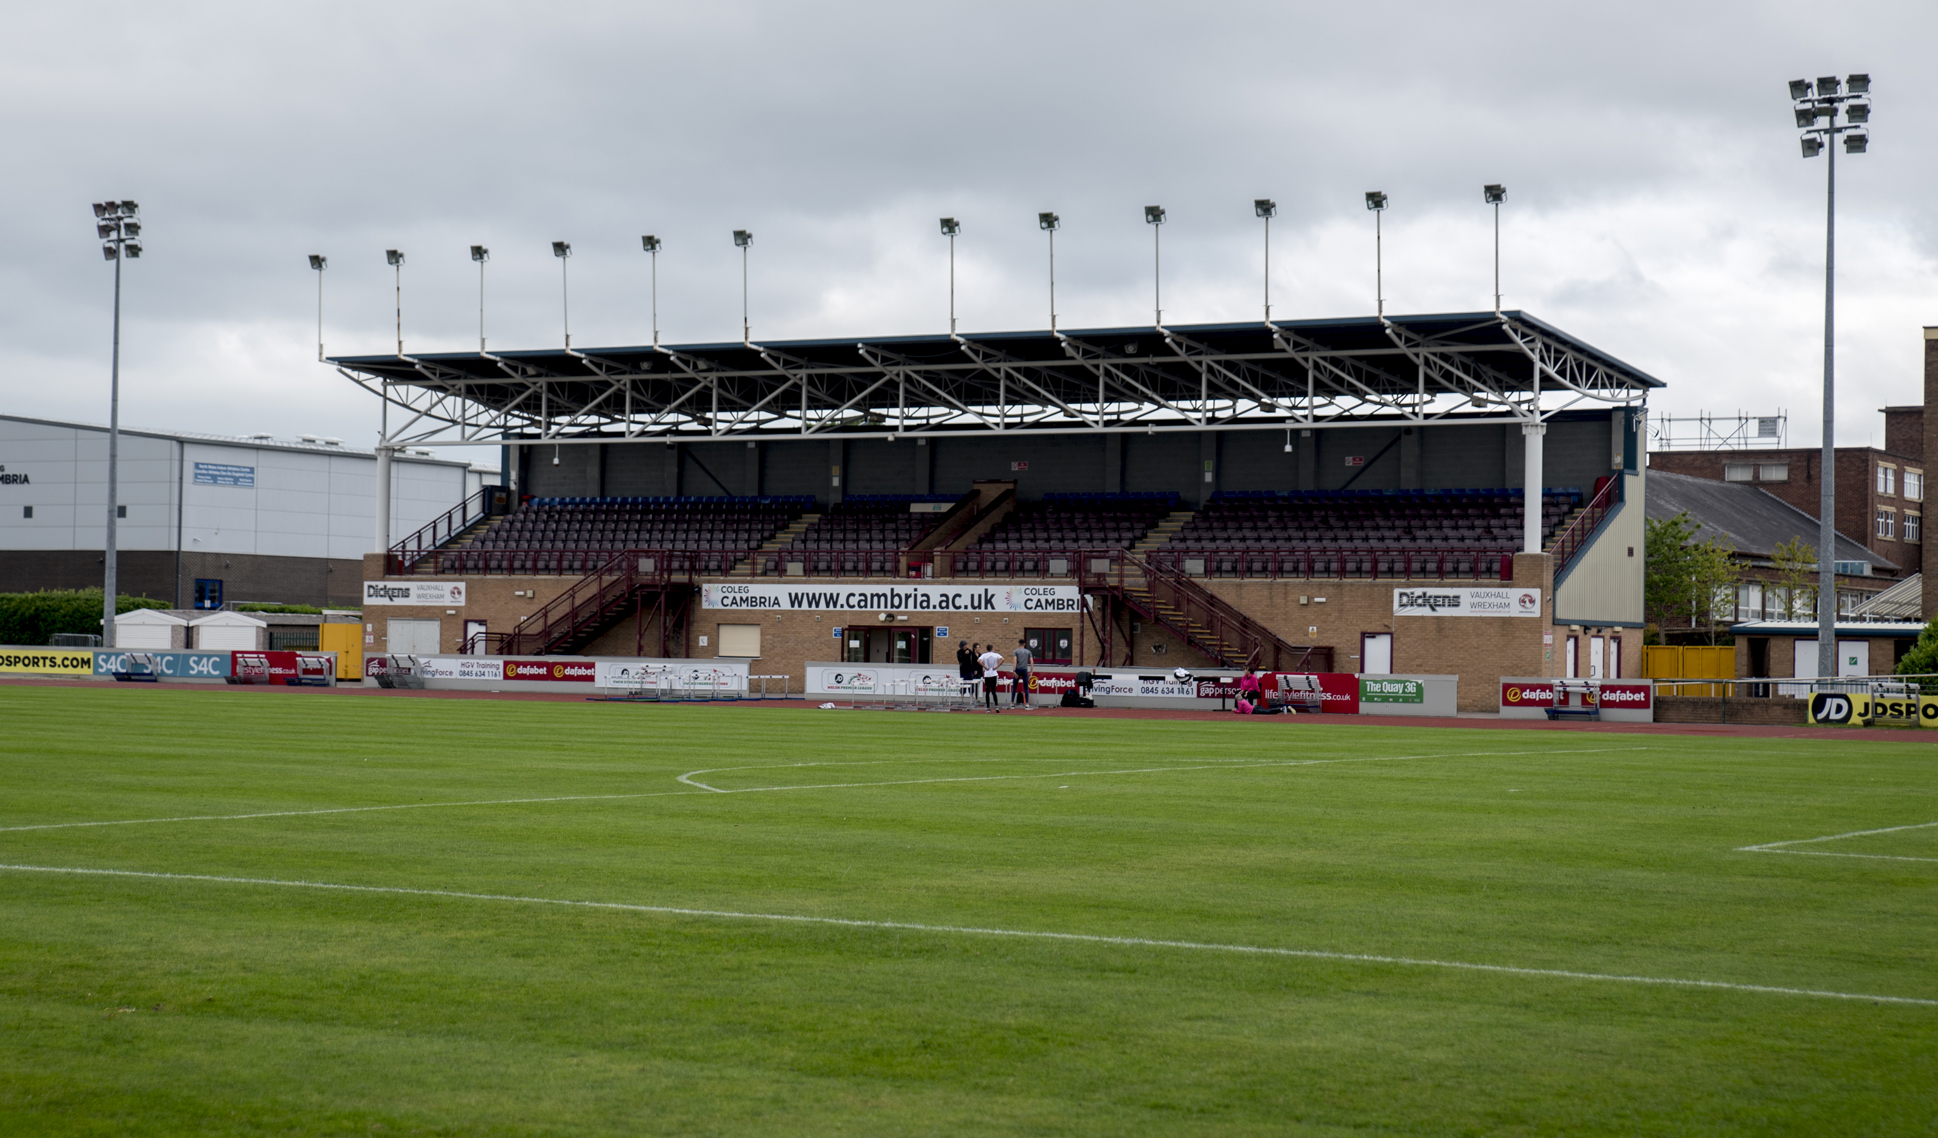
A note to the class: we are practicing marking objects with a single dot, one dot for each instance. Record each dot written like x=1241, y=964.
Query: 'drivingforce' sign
x=894, y=598
x=1461, y=601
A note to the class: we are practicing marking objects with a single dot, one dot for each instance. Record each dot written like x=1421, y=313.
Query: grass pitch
x=1258, y=927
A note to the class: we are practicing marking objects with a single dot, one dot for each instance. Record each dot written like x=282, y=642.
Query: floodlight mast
x=1828, y=97
x=1268, y=209
x=480, y=254
x=744, y=238
x=396, y=259
x=319, y=263
x=1154, y=217
x=951, y=227
x=650, y=244
x=1376, y=201
x=563, y=251
x=1494, y=194
x=116, y=225
x=1050, y=223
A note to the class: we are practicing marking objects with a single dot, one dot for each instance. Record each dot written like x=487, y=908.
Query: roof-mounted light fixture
x=1376, y=201
x=563, y=251
x=1267, y=209
x=1494, y=194
x=950, y=229
x=742, y=238
x=1050, y=223
x=650, y=244
x=1154, y=217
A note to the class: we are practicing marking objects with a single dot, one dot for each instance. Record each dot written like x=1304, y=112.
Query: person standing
x=967, y=669
x=992, y=670
x=1020, y=695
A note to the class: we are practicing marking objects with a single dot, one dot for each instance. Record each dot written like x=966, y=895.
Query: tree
x=1686, y=581
x=1795, y=562
x=1922, y=660
x=35, y=618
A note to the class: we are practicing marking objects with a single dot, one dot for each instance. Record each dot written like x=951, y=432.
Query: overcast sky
x=1657, y=203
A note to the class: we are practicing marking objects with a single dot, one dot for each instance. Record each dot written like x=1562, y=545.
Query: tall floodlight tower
x=319, y=263
x=650, y=244
x=1494, y=195
x=118, y=226
x=1268, y=209
x=563, y=251
x=743, y=238
x=1050, y=223
x=480, y=254
x=1826, y=101
x=950, y=228
x=1376, y=201
x=1154, y=217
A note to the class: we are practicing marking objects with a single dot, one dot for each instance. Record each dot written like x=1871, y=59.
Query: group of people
x=987, y=666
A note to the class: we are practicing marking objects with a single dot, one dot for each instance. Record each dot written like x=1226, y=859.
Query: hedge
x=35, y=618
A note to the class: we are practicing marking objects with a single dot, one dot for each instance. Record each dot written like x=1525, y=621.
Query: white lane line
x=1832, y=853
x=1771, y=847
x=345, y=810
x=972, y=930
x=690, y=777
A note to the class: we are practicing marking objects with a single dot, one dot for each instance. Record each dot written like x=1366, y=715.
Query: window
x=1049, y=645
x=1887, y=479
x=1914, y=484
x=740, y=640
x=1738, y=471
x=26, y=511
x=1773, y=472
x=121, y=511
x=1887, y=520
x=208, y=593
x=1851, y=568
x=1749, y=602
x=1913, y=525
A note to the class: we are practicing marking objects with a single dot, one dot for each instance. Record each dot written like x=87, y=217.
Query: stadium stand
x=871, y=521
x=599, y=524
x=1078, y=521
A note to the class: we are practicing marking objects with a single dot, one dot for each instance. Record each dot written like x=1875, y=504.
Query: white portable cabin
x=150, y=629
x=230, y=632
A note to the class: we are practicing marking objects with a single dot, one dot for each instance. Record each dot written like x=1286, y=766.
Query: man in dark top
x=966, y=667
x=1020, y=694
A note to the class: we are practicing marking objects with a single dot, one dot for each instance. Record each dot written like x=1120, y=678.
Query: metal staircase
x=629, y=581
x=1195, y=614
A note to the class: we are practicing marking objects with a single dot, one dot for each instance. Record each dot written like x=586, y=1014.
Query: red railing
x=608, y=588
x=1571, y=541
x=403, y=557
x=1209, y=623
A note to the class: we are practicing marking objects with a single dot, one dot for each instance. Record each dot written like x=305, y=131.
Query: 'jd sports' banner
x=47, y=661
x=1838, y=709
x=894, y=598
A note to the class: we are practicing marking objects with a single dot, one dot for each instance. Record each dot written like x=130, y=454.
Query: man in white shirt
x=992, y=667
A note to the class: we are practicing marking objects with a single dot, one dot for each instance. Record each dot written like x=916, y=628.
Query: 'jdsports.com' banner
x=894, y=598
x=1855, y=709
x=47, y=661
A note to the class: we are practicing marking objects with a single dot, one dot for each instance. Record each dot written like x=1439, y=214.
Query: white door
x=1574, y=664
x=226, y=637
x=1376, y=653
x=137, y=636
x=413, y=637
x=1806, y=662
x=474, y=634
x=1853, y=657
x=1596, y=647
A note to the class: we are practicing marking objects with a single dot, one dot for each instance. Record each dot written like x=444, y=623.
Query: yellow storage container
x=346, y=640
x=1675, y=662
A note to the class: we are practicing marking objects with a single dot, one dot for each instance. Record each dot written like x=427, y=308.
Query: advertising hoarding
x=1454, y=600
x=448, y=593
x=898, y=598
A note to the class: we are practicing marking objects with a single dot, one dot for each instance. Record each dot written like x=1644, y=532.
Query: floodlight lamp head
x=1495, y=193
x=951, y=227
x=104, y=229
x=100, y=209
x=649, y=243
x=1813, y=146
x=1828, y=85
x=480, y=254
x=134, y=247
x=561, y=248
x=393, y=257
x=1856, y=143
x=129, y=209
x=1375, y=200
x=131, y=228
x=742, y=238
x=107, y=251
x=1859, y=84
x=1154, y=215
x=1799, y=88
x=1806, y=117
x=1265, y=207
x=1858, y=112
x=319, y=262
x=1048, y=221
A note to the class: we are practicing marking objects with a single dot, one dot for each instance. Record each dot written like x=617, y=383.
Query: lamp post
x=651, y=245
x=118, y=227
x=563, y=251
x=1050, y=223
x=1825, y=101
x=951, y=227
x=396, y=259
x=1154, y=217
x=480, y=254
x=1376, y=201
x=1494, y=195
x=319, y=262
x=1268, y=209
x=743, y=238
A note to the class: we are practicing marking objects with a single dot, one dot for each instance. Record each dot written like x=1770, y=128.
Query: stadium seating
x=612, y=524
x=872, y=521
x=1079, y=521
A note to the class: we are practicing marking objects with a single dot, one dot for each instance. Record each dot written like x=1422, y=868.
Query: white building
x=269, y=519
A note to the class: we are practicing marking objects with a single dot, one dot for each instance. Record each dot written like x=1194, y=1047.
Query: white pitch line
x=972, y=930
x=1769, y=847
x=689, y=779
x=1833, y=853
x=702, y=788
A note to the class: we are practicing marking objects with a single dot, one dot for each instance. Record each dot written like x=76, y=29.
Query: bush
x=247, y=606
x=1923, y=657
x=34, y=618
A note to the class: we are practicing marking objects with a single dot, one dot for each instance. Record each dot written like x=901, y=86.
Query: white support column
x=1531, y=486
x=383, y=498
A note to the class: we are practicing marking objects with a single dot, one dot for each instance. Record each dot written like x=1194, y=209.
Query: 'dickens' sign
x=1456, y=601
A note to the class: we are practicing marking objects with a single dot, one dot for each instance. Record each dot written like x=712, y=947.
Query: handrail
x=614, y=580
x=403, y=556
x=1228, y=635
x=1571, y=541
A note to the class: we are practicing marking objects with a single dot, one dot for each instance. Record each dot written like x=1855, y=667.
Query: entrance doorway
x=889, y=644
x=1376, y=653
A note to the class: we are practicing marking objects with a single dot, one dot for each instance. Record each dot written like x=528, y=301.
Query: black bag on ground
x=1072, y=699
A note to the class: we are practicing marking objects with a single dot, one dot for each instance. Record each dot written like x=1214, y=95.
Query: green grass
x=137, y=1004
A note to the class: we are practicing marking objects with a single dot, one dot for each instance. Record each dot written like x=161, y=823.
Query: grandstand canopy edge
x=1469, y=368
